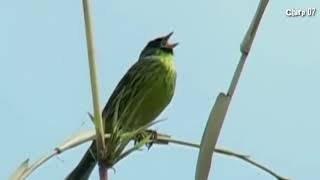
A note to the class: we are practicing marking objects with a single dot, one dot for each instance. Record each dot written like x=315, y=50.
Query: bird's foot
x=152, y=136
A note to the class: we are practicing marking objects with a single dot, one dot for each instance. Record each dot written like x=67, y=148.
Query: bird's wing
x=129, y=86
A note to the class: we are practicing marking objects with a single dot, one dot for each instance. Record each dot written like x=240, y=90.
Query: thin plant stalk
x=220, y=108
x=99, y=125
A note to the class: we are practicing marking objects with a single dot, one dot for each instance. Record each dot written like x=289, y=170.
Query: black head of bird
x=158, y=46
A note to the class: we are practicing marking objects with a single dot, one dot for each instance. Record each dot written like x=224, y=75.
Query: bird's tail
x=85, y=166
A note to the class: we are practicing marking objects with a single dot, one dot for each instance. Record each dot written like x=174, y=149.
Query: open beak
x=166, y=41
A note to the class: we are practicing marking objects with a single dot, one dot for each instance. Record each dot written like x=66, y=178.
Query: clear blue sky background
x=274, y=116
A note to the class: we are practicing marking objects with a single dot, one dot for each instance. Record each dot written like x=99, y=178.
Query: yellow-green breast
x=162, y=86
x=148, y=88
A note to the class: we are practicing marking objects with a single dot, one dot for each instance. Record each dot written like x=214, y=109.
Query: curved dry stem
x=165, y=139
x=87, y=136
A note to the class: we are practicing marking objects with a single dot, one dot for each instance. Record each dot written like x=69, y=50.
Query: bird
x=147, y=87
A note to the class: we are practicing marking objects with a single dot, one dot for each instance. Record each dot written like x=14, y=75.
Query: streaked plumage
x=150, y=80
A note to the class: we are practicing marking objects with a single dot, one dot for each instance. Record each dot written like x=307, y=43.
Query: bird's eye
x=163, y=43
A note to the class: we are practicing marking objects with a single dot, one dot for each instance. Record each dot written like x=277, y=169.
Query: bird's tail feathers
x=85, y=166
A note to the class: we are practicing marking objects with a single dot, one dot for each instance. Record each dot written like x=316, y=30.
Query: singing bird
x=147, y=87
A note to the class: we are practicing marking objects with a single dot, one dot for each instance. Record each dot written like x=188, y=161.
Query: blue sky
x=45, y=90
